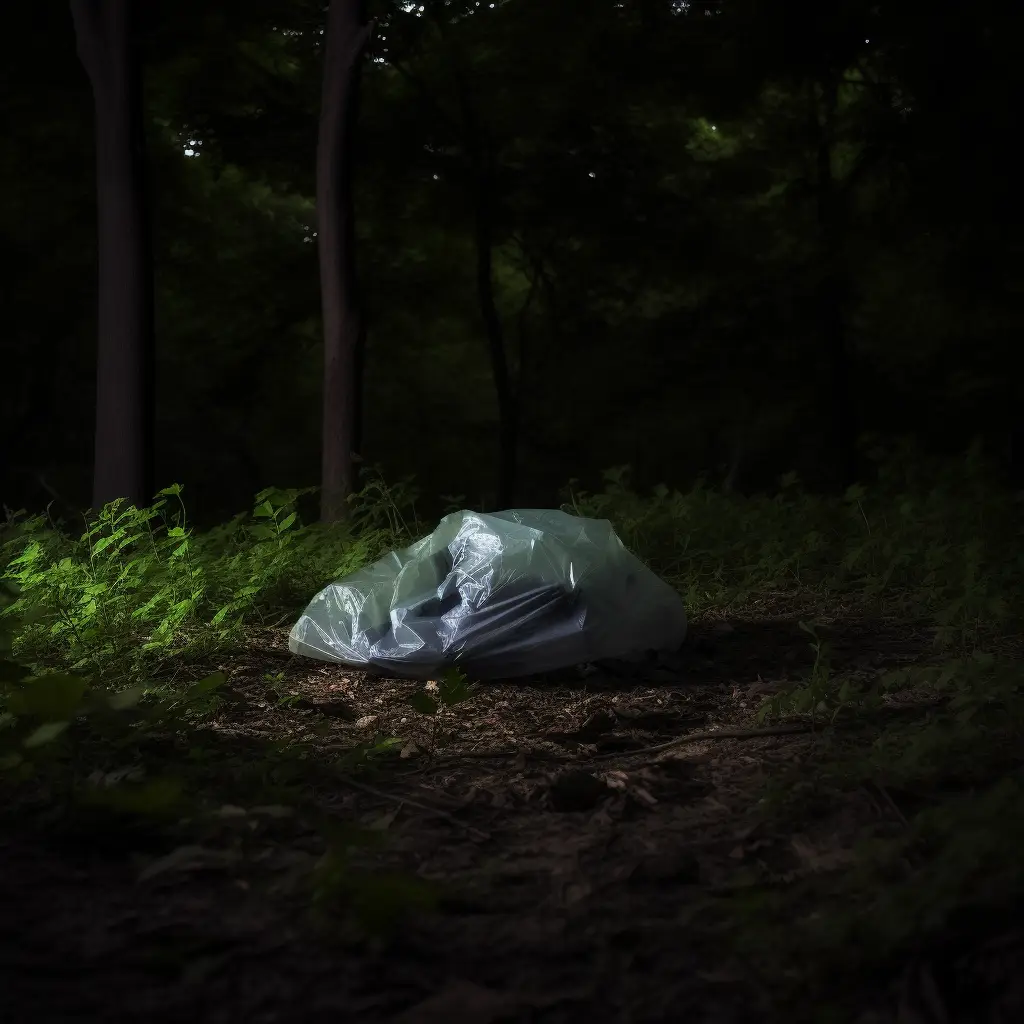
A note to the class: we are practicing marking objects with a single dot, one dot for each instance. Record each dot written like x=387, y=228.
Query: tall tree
x=346, y=37
x=123, y=466
x=480, y=151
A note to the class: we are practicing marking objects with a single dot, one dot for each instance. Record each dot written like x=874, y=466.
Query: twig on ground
x=435, y=812
x=720, y=734
x=694, y=737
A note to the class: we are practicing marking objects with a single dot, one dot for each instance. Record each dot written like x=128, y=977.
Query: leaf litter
x=547, y=851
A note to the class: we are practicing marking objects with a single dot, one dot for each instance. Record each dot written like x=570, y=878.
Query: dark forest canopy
x=727, y=239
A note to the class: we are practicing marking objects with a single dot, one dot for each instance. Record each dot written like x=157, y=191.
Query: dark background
x=711, y=222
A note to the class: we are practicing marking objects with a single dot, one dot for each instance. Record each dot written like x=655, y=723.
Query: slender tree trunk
x=124, y=371
x=508, y=400
x=839, y=413
x=345, y=39
x=483, y=192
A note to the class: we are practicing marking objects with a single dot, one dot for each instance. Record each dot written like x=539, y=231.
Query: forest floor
x=551, y=851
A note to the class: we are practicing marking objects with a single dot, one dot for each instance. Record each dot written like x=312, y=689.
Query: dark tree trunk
x=507, y=399
x=124, y=368
x=483, y=192
x=345, y=39
x=839, y=413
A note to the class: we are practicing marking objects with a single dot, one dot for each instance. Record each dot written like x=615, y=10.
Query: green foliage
x=936, y=543
x=127, y=586
x=942, y=539
x=817, y=697
x=439, y=696
x=47, y=718
x=386, y=512
x=139, y=587
x=366, y=756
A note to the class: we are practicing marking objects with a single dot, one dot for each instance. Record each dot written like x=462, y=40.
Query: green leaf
x=52, y=697
x=222, y=614
x=104, y=542
x=45, y=733
x=262, y=532
x=422, y=702
x=207, y=685
x=127, y=541
x=263, y=511
x=453, y=687
x=122, y=700
x=170, y=492
x=287, y=521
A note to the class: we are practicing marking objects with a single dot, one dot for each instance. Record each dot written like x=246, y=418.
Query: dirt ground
x=572, y=840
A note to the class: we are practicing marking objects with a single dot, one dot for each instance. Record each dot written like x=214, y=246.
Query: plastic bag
x=500, y=595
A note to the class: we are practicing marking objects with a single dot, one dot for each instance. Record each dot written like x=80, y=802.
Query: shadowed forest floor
x=549, y=851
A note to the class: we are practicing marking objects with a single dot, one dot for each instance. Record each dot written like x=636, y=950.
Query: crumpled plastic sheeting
x=500, y=595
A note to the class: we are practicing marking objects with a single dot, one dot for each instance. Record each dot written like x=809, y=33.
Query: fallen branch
x=719, y=734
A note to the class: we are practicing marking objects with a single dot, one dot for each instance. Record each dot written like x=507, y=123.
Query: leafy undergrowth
x=813, y=812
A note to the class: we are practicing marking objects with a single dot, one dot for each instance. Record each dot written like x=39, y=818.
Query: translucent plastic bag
x=500, y=595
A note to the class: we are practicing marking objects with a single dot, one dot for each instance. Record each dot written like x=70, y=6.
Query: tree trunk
x=483, y=192
x=839, y=412
x=508, y=402
x=345, y=39
x=124, y=366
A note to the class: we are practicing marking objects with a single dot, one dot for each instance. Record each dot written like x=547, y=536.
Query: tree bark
x=123, y=465
x=483, y=193
x=345, y=40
